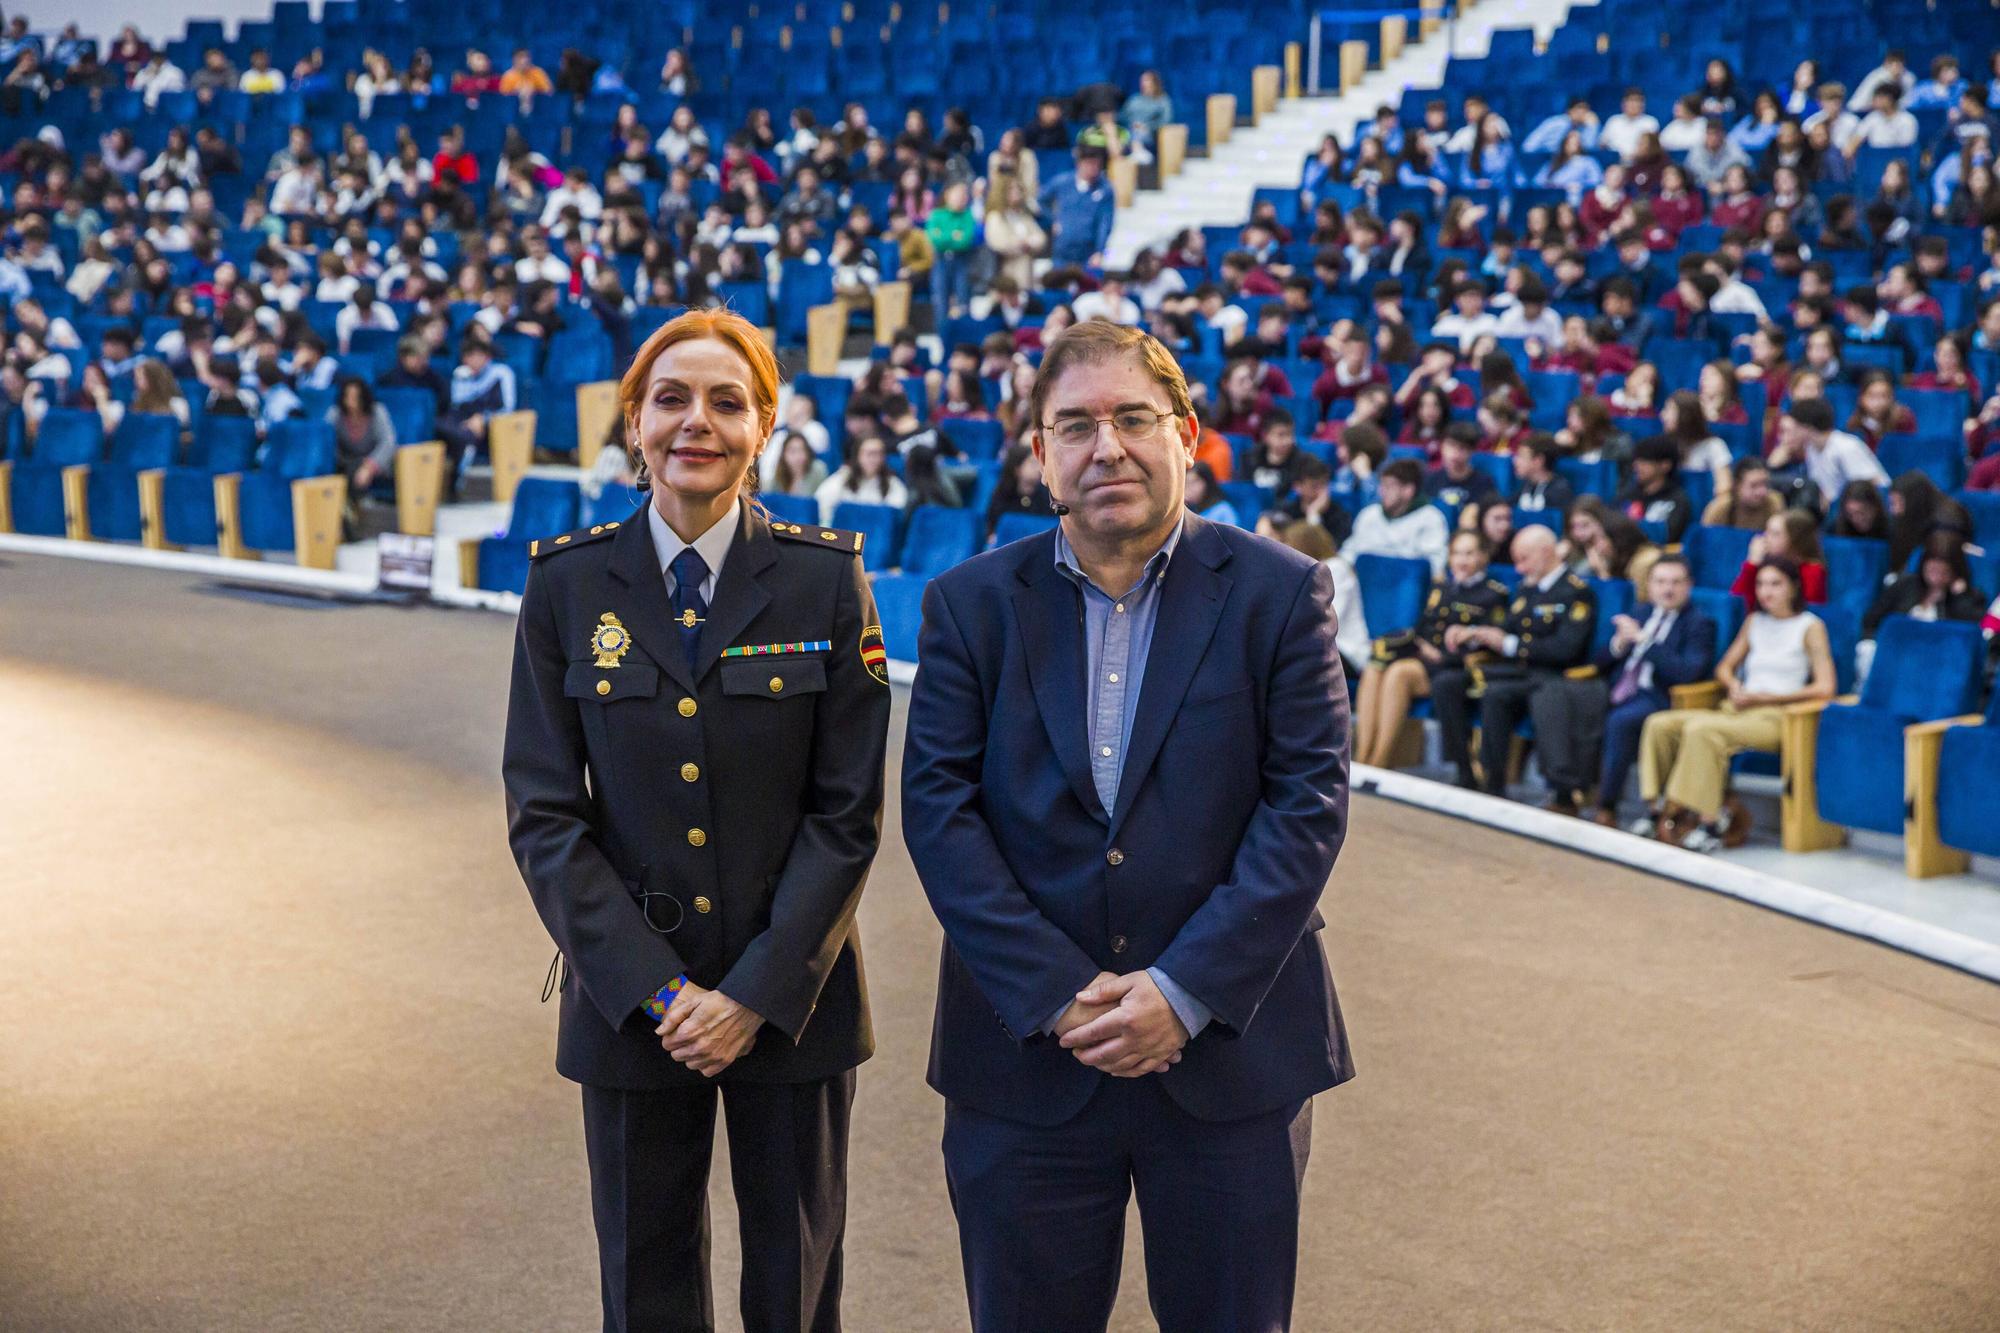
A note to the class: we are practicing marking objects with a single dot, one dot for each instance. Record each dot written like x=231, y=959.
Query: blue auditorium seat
x=1615, y=597
x=1940, y=457
x=938, y=538
x=800, y=287
x=1014, y=527
x=221, y=445
x=899, y=603
x=1984, y=507
x=1854, y=569
x=1248, y=499
x=293, y=451
x=69, y=436
x=1599, y=478
x=543, y=507
x=791, y=508
x=1923, y=671
x=1392, y=591
x=412, y=411
x=977, y=440
x=878, y=523
x=1968, y=775
x=1715, y=553
x=614, y=504
x=143, y=442
x=829, y=394
x=1725, y=609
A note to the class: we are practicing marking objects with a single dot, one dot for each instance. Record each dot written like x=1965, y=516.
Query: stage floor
x=275, y=1060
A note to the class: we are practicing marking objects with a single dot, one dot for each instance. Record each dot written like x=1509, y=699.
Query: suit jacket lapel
x=740, y=595
x=645, y=609
x=1190, y=608
x=1050, y=611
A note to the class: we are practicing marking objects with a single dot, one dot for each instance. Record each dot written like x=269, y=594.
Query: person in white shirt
x=1831, y=458
x=537, y=264
x=576, y=189
x=296, y=191
x=1733, y=296
x=158, y=78
x=363, y=311
x=1530, y=316
x=1400, y=523
x=1109, y=301
x=1685, y=130
x=866, y=480
x=1893, y=72
x=1467, y=321
x=1476, y=110
x=1887, y=126
x=1840, y=122
x=1621, y=133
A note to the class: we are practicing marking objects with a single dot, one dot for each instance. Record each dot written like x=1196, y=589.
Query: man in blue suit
x=1124, y=786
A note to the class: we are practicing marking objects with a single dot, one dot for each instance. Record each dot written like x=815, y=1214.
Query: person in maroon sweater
x=1793, y=534
x=1904, y=293
x=1948, y=371
x=1679, y=205
x=1434, y=369
x=1877, y=413
x=1602, y=206
x=1737, y=203
x=1351, y=369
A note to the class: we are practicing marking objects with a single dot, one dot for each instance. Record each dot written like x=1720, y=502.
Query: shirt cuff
x=656, y=1004
x=1193, y=1014
x=1510, y=645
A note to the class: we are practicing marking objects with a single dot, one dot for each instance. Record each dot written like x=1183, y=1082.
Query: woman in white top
x=865, y=480
x=1702, y=450
x=1780, y=657
x=1351, y=637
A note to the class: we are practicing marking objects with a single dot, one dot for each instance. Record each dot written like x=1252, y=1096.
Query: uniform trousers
x=1508, y=700
x=1454, y=717
x=649, y=1154
x=1041, y=1212
x=1684, y=753
x=1569, y=730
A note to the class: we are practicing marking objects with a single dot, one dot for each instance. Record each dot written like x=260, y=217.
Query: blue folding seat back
x=790, y=508
x=188, y=498
x=878, y=524
x=1499, y=467
x=1248, y=499
x=1923, y=671
x=899, y=605
x=69, y=436
x=1984, y=508
x=1716, y=554
x=1015, y=527
x=1541, y=518
x=1392, y=591
x=543, y=507
x=1854, y=568
x=1940, y=457
x=829, y=394
x=297, y=449
x=144, y=441
x=1725, y=609
x=413, y=412
x=1585, y=478
x=1968, y=774
x=612, y=504
x=265, y=507
x=800, y=287
x=938, y=538
x=1614, y=598
x=977, y=440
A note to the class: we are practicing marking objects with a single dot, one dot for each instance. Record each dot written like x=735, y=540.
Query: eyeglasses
x=1130, y=427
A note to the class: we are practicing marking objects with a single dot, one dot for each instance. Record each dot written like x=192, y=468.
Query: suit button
x=703, y=906
x=604, y=687
x=1118, y=943
x=777, y=684
x=1115, y=857
x=689, y=773
x=687, y=708
x=696, y=837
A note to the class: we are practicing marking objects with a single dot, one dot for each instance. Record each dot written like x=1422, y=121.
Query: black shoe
x=1467, y=780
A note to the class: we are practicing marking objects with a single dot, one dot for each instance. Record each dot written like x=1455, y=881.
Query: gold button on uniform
x=777, y=684
x=703, y=906
x=599, y=528
x=1115, y=857
x=689, y=772
x=696, y=837
x=687, y=708
x=604, y=687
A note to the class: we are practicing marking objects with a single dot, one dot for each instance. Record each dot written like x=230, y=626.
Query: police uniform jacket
x=741, y=798
x=1481, y=603
x=1554, y=627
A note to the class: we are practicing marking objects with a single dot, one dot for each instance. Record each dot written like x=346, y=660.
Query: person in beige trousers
x=1781, y=656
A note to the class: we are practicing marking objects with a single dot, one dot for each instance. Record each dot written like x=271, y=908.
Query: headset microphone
x=1057, y=505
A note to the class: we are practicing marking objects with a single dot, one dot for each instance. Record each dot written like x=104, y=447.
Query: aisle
x=275, y=1060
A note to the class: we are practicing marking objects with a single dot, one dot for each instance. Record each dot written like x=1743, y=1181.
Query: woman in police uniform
x=693, y=768
x=1406, y=664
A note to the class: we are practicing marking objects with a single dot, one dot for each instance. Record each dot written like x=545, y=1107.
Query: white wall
x=155, y=19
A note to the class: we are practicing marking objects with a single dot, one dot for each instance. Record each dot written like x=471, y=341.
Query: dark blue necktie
x=690, y=607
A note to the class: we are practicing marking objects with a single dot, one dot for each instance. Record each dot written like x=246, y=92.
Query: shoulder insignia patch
x=1437, y=595
x=546, y=546
x=1579, y=611
x=1520, y=605
x=1576, y=582
x=837, y=539
x=874, y=653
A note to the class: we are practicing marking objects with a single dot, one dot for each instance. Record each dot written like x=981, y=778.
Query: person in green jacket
x=953, y=231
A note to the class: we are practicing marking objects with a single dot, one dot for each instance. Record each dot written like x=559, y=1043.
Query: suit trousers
x=1684, y=753
x=649, y=1154
x=1041, y=1212
x=1622, y=727
x=1569, y=730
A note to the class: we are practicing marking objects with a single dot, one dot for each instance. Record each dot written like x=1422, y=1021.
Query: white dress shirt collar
x=712, y=545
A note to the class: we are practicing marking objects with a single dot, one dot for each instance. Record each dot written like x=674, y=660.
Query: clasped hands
x=1123, y=1026
x=1460, y=638
x=706, y=1030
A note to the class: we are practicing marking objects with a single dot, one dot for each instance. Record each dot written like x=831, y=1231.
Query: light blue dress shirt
x=1118, y=637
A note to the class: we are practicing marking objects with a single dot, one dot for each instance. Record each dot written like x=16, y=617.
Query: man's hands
x=706, y=1030
x=1137, y=1034
x=1468, y=638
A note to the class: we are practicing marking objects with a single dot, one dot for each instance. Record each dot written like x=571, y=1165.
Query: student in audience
x=1808, y=445
x=1538, y=487
x=1427, y=419
x=1748, y=503
x=1917, y=509
x=1311, y=501
x=1351, y=623
x=1454, y=482
x=865, y=479
x=1655, y=495
x=1493, y=519
x=1206, y=498
x=1790, y=535
x=1940, y=589
x=795, y=468
x=1861, y=513
x=1400, y=522
x=1402, y=666
x=1274, y=459
x=364, y=439
x=1781, y=656
x=1020, y=490
x=1684, y=422
x=1877, y=413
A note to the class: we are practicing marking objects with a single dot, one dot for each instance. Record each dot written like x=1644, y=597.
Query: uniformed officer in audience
x=1547, y=632
x=694, y=778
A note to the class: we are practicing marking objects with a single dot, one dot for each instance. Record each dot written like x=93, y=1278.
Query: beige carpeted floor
x=272, y=1056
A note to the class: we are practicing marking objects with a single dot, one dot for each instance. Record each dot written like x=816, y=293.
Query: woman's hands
x=706, y=1030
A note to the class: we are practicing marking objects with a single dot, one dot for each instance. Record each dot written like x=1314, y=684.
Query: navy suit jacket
x=1684, y=656
x=1231, y=808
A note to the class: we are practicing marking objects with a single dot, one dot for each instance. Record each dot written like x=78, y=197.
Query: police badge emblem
x=609, y=640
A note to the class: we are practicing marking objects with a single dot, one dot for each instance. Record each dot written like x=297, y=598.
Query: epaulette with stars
x=569, y=540
x=833, y=539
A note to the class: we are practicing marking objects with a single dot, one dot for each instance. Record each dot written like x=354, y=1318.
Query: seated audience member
x=1654, y=495
x=1683, y=421
x=1240, y=404
x=1403, y=666
x=1311, y=502
x=1426, y=420
x=1274, y=460
x=1790, y=535
x=1877, y=413
x=1493, y=519
x=1537, y=486
x=1351, y=623
x=1809, y=446
x=1502, y=423
x=364, y=440
x=1467, y=321
x=1205, y=497
x=924, y=482
x=1455, y=482
x=413, y=370
x=1353, y=369
x=1020, y=490
x=1547, y=631
x=865, y=479
x=1860, y=513
x=791, y=465
x=1359, y=454
x=1400, y=522
x=1664, y=642
x=482, y=385
x=1781, y=656
x=1748, y=503
x=1940, y=589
